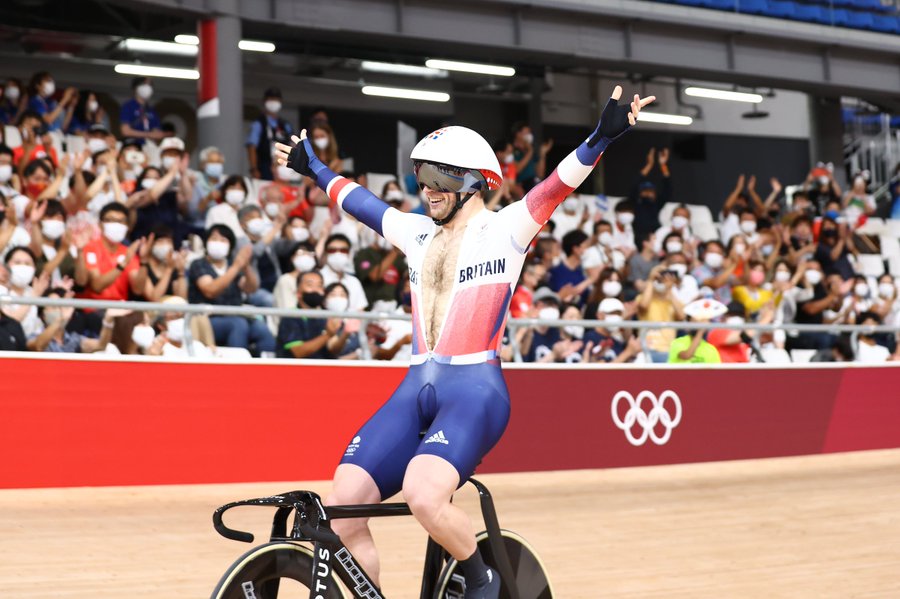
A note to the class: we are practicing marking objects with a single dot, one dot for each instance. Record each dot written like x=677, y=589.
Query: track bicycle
x=285, y=562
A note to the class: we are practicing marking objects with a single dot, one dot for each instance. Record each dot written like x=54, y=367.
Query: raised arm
x=356, y=200
x=535, y=209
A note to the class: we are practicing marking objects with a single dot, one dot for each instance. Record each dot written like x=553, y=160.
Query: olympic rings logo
x=647, y=420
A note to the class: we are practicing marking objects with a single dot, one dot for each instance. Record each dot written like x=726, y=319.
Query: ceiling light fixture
x=154, y=71
x=374, y=66
x=187, y=39
x=133, y=44
x=721, y=94
x=405, y=94
x=668, y=119
x=470, y=67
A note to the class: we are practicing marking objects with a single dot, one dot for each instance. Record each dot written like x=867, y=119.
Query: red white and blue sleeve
x=525, y=218
x=359, y=202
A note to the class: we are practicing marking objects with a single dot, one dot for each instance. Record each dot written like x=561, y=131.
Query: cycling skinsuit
x=453, y=402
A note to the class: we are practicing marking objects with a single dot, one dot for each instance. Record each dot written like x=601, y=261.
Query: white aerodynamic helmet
x=457, y=160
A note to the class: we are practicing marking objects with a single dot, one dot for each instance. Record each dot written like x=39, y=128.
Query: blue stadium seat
x=873, y=5
x=780, y=8
x=886, y=24
x=861, y=20
x=812, y=13
x=720, y=4
x=752, y=7
x=840, y=17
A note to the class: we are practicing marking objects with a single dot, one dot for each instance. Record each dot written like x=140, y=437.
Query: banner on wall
x=91, y=422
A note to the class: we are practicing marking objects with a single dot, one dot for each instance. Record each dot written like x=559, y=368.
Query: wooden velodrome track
x=820, y=526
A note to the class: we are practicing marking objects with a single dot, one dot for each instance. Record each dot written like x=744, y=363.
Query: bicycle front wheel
x=270, y=571
x=529, y=574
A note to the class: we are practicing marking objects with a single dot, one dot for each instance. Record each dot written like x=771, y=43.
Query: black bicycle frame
x=312, y=524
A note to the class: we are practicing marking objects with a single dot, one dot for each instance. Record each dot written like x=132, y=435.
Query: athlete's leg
x=353, y=485
x=429, y=484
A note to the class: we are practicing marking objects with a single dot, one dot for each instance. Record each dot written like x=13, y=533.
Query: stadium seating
x=872, y=15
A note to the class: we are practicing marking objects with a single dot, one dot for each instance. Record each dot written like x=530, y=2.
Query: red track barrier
x=90, y=422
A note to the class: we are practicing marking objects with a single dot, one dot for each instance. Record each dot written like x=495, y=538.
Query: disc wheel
x=272, y=570
x=528, y=571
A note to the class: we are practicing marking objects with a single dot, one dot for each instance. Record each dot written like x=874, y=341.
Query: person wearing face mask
x=13, y=102
x=571, y=215
x=336, y=269
x=658, y=303
x=523, y=298
x=885, y=304
x=137, y=118
x=642, y=262
x=10, y=183
x=609, y=342
x=293, y=231
x=303, y=337
x=380, y=268
x=693, y=348
x=567, y=278
x=55, y=338
x=55, y=115
x=206, y=182
x=346, y=344
x=821, y=186
x=288, y=189
x=530, y=166
x=680, y=226
x=166, y=267
x=751, y=294
x=685, y=288
x=55, y=258
x=834, y=249
x=265, y=131
x=218, y=280
x=648, y=198
x=173, y=338
x=20, y=262
x=105, y=186
x=325, y=146
x=623, y=229
x=537, y=342
x=302, y=259
x=868, y=350
x=568, y=350
x=716, y=271
x=231, y=195
x=260, y=234
x=811, y=310
x=87, y=112
x=151, y=184
x=608, y=285
x=131, y=162
x=744, y=199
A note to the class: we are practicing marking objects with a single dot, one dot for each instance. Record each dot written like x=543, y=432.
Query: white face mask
x=92, y=106
x=674, y=247
x=605, y=238
x=625, y=218
x=574, y=331
x=235, y=197
x=337, y=304
x=134, y=157
x=549, y=313
x=509, y=159
x=21, y=275
x=161, y=251
x=767, y=250
x=740, y=248
x=115, y=232
x=734, y=320
x=286, y=173
x=11, y=93
x=570, y=204
x=272, y=209
x=143, y=335
x=53, y=229
x=256, y=226
x=338, y=261
x=612, y=288
x=612, y=319
x=148, y=183
x=679, y=269
x=713, y=260
x=394, y=195
x=748, y=226
x=5, y=172
x=886, y=290
x=48, y=88
x=214, y=170
x=144, y=91
x=679, y=222
x=813, y=277
x=321, y=142
x=300, y=234
x=175, y=330
x=304, y=262
x=95, y=144
x=217, y=250
x=659, y=286
x=169, y=161
x=782, y=276
x=861, y=290
x=529, y=138
x=273, y=106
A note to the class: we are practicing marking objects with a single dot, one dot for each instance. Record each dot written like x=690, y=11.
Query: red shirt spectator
x=523, y=298
x=729, y=352
x=98, y=256
x=106, y=268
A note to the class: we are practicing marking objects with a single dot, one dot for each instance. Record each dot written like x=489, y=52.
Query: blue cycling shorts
x=457, y=412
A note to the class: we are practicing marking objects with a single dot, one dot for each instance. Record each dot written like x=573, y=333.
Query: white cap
x=609, y=305
x=705, y=309
x=171, y=143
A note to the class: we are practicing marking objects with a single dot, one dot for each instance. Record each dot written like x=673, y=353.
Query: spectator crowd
x=124, y=215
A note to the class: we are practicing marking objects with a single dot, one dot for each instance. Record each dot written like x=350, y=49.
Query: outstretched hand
x=616, y=120
x=297, y=157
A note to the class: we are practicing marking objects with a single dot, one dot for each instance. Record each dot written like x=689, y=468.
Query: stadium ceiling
x=648, y=39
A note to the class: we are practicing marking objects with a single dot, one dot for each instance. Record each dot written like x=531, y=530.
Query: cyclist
x=464, y=262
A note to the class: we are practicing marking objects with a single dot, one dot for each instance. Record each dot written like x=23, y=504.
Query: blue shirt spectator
x=264, y=132
x=137, y=118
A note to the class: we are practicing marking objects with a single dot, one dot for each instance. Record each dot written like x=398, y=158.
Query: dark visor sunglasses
x=448, y=179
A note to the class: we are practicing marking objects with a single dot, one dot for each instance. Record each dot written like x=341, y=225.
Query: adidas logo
x=437, y=437
x=420, y=239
